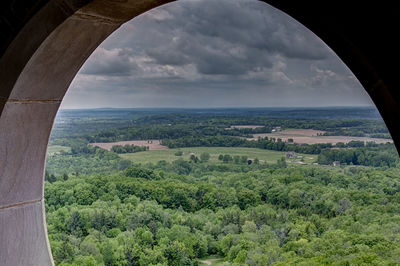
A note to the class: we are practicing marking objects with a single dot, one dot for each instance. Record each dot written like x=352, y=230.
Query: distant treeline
x=173, y=126
x=166, y=131
x=380, y=155
x=208, y=141
x=274, y=144
x=128, y=148
x=355, y=132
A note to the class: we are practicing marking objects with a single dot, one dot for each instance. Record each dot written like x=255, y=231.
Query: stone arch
x=45, y=42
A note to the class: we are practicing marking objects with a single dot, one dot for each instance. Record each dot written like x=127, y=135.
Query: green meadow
x=267, y=156
x=56, y=149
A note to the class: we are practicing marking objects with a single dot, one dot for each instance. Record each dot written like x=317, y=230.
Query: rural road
x=210, y=261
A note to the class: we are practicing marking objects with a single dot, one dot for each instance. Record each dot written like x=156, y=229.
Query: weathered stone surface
x=119, y=11
x=51, y=69
x=24, y=133
x=23, y=237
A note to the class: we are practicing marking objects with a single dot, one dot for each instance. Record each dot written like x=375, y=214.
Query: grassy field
x=311, y=136
x=53, y=149
x=252, y=153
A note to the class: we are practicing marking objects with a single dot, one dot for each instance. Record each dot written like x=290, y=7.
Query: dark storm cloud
x=214, y=53
x=232, y=37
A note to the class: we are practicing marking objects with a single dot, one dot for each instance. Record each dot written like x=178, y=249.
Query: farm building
x=276, y=129
x=336, y=163
x=291, y=154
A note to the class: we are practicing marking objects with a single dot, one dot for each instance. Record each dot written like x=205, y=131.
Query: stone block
x=49, y=72
x=24, y=134
x=119, y=11
x=23, y=237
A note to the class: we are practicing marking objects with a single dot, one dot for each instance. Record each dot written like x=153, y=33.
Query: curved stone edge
x=35, y=73
x=27, y=41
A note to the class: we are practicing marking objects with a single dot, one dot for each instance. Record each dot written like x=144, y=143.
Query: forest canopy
x=217, y=194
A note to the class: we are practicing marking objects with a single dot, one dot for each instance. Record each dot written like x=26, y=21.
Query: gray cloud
x=115, y=62
x=214, y=53
x=232, y=37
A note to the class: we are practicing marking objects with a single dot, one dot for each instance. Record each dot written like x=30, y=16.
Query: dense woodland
x=302, y=215
x=173, y=127
x=104, y=210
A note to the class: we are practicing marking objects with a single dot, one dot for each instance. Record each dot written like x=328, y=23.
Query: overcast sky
x=214, y=53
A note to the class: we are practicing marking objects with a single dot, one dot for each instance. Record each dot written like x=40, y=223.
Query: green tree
x=64, y=251
x=65, y=177
x=204, y=157
x=243, y=159
x=227, y=158
x=281, y=163
x=194, y=158
x=175, y=254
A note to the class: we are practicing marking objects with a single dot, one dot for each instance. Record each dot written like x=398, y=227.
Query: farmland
x=311, y=136
x=200, y=202
x=266, y=156
x=153, y=144
x=244, y=126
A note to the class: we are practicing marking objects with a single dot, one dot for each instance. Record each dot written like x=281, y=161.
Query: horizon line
x=228, y=107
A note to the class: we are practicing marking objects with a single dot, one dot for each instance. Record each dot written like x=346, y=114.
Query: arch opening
x=32, y=91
